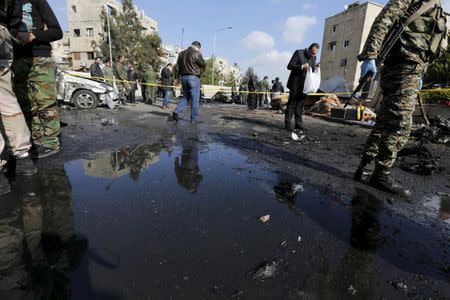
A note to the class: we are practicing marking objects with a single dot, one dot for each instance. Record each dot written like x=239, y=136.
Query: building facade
x=85, y=28
x=61, y=52
x=344, y=38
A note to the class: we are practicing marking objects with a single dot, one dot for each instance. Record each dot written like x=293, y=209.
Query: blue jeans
x=191, y=95
x=167, y=97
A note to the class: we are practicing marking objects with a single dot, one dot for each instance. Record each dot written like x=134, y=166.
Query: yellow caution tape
x=178, y=87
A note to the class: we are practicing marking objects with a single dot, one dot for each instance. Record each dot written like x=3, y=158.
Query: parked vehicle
x=83, y=92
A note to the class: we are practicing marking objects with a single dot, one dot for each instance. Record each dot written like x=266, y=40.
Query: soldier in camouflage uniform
x=34, y=74
x=403, y=69
x=121, y=72
x=149, y=91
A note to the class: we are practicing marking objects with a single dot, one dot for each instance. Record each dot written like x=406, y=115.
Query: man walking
x=300, y=62
x=166, y=82
x=405, y=65
x=148, y=86
x=34, y=74
x=191, y=65
x=121, y=73
x=96, y=70
x=12, y=118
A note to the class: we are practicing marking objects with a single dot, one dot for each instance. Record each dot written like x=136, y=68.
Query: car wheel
x=85, y=99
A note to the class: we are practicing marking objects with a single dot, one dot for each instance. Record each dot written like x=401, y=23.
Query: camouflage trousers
x=13, y=127
x=124, y=90
x=34, y=85
x=400, y=88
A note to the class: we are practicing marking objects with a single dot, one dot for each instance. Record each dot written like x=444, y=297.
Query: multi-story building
x=61, y=51
x=344, y=38
x=225, y=70
x=85, y=27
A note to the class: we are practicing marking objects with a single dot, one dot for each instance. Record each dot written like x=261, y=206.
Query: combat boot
x=25, y=167
x=5, y=187
x=363, y=171
x=382, y=180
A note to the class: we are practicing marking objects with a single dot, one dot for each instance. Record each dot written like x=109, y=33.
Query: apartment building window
x=76, y=56
x=335, y=28
x=76, y=33
x=90, y=55
x=89, y=31
x=332, y=46
x=344, y=62
x=74, y=8
x=346, y=44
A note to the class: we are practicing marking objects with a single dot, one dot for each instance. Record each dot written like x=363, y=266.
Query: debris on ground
x=266, y=270
x=437, y=133
x=297, y=138
x=399, y=285
x=265, y=219
x=352, y=290
x=324, y=105
x=417, y=160
x=287, y=191
x=108, y=122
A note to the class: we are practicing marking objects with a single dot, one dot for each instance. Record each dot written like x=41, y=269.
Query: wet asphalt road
x=137, y=207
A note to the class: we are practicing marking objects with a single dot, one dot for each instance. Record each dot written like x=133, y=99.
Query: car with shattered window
x=78, y=89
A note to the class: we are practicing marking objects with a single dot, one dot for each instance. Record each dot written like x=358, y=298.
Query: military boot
x=363, y=171
x=5, y=187
x=382, y=180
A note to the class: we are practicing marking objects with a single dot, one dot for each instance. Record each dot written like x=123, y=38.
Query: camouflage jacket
x=394, y=11
x=121, y=71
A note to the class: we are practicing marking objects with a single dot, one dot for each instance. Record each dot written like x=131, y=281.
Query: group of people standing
x=257, y=93
x=28, y=107
x=127, y=79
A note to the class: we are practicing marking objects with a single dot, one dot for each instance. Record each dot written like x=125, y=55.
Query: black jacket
x=190, y=62
x=38, y=17
x=96, y=71
x=297, y=78
x=277, y=87
x=166, y=79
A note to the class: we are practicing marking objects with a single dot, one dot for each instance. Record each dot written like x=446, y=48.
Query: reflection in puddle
x=185, y=222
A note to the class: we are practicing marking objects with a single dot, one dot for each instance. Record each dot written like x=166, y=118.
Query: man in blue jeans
x=190, y=65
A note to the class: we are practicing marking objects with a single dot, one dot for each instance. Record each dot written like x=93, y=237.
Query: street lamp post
x=214, y=50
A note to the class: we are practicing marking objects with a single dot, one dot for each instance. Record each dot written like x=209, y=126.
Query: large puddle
x=148, y=222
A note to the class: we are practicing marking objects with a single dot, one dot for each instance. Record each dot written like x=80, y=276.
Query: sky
x=265, y=33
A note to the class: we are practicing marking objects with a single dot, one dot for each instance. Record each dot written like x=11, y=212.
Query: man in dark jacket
x=34, y=74
x=299, y=64
x=252, y=86
x=166, y=82
x=277, y=86
x=191, y=65
x=96, y=70
x=133, y=77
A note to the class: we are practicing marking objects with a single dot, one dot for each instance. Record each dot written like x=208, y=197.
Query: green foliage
x=230, y=80
x=207, y=74
x=436, y=96
x=129, y=38
x=439, y=71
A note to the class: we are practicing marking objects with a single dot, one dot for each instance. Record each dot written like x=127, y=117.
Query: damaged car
x=83, y=92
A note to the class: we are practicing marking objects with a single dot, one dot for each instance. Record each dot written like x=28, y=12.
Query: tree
x=231, y=80
x=246, y=77
x=207, y=74
x=129, y=38
x=439, y=71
